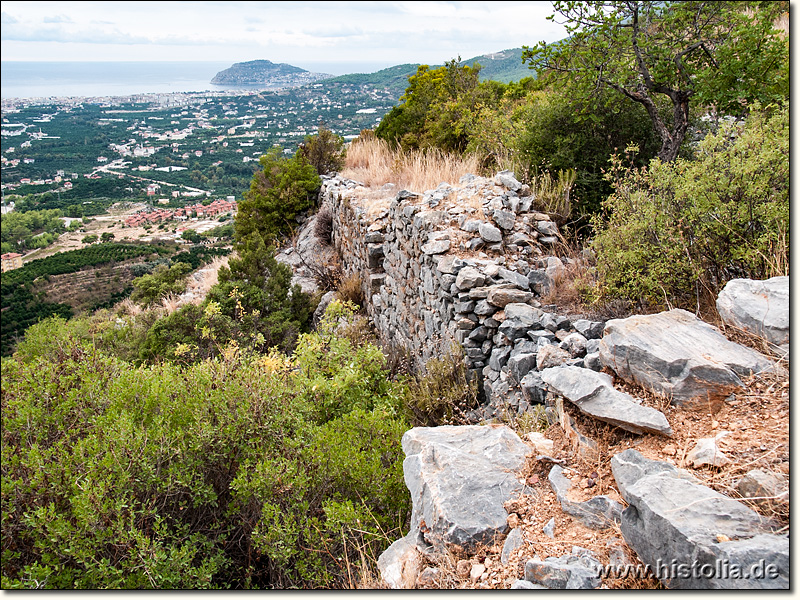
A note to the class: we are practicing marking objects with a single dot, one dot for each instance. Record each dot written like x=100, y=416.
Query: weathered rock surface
x=674, y=520
x=708, y=452
x=568, y=572
x=459, y=477
x=400, y=563
x=760, y=307
x=596, y=513
x=766, y=488
x=594, y=394
x=677, y=355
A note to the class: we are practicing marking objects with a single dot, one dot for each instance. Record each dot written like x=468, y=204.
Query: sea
x=20, y=79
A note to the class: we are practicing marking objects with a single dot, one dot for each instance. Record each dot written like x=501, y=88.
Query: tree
x=282, y=189
x=107, y=236
x=324, y=151
x=725, y=54
x=432, y=108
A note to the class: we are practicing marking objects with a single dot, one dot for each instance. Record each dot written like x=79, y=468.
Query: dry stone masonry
x=469, y=264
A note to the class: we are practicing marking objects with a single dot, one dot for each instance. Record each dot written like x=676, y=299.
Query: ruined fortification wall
x=466, y=263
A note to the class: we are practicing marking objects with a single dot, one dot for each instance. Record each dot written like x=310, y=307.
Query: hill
x=503, y=66
x=265, y=72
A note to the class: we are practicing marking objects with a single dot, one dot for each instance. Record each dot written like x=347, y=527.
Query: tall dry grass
x=374, y=163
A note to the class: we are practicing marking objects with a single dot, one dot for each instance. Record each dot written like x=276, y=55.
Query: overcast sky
x=292, y=32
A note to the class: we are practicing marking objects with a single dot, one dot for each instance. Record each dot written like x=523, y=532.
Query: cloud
x=57, y=19
x=7, y=19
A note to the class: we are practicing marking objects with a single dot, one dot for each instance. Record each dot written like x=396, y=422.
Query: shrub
x=324, y=151
x=675, y=233
x=245, y=471
x=281, y=190
x=160, y=283
x=444, y=392
x=351, y=290
x=323, y=226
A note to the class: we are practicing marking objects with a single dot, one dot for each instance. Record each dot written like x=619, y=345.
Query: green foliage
x=21, y=307
x=281, y=190
x=433, y=108
x=675, y=233
x=444, y=392
x=192, y=236
x=670, y=53
x=224, y=473
x=324, y=151
x=89, y=239
x=160, y=283
x=30, y=230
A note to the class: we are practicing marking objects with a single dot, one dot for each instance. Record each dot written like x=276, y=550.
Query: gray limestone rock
x=575, y=344
x=591, y=330
x=518, y=279
x=675, y=354
x=502, y=296
x=513, y=542
x=551, y=356
x=505, y=219
x=507, y=180
x=760, y=307
x=525, y=313
x=436, y=247
x=401, y=563
x=565, y=573
x=459, y=477
x=539, y=281
x=547, y=228
x=594, y=394
x=520, y=364
x=673, y=519
x=767, y=488
x=490, y=233
x=533, y=388
x=468, y=278
x=599, y=512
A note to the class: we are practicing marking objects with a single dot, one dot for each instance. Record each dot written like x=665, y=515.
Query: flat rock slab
x=710, y=538
x=459, y=477
x=760, y=307
x=594, y=394
x=677, y=355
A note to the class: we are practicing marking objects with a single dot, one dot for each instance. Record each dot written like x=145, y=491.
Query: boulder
x=594, y=394
x=693, y=537
x=436, y=247
x=459, y=477
x=679, y=356
x=760, y=307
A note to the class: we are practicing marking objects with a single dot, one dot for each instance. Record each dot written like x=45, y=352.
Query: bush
x=281, y=190
x=245, y=471
x=324, y=151
x=160, y=283
x=323, y=226
x=675, y=233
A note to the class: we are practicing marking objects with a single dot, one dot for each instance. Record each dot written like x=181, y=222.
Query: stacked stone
x=464, y=264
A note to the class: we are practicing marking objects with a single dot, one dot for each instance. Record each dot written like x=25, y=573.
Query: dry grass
x=375, y=164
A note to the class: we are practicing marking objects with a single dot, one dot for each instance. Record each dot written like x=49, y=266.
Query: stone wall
x=465, y=263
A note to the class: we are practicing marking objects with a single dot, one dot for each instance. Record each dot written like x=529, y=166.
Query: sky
x=298, y=33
